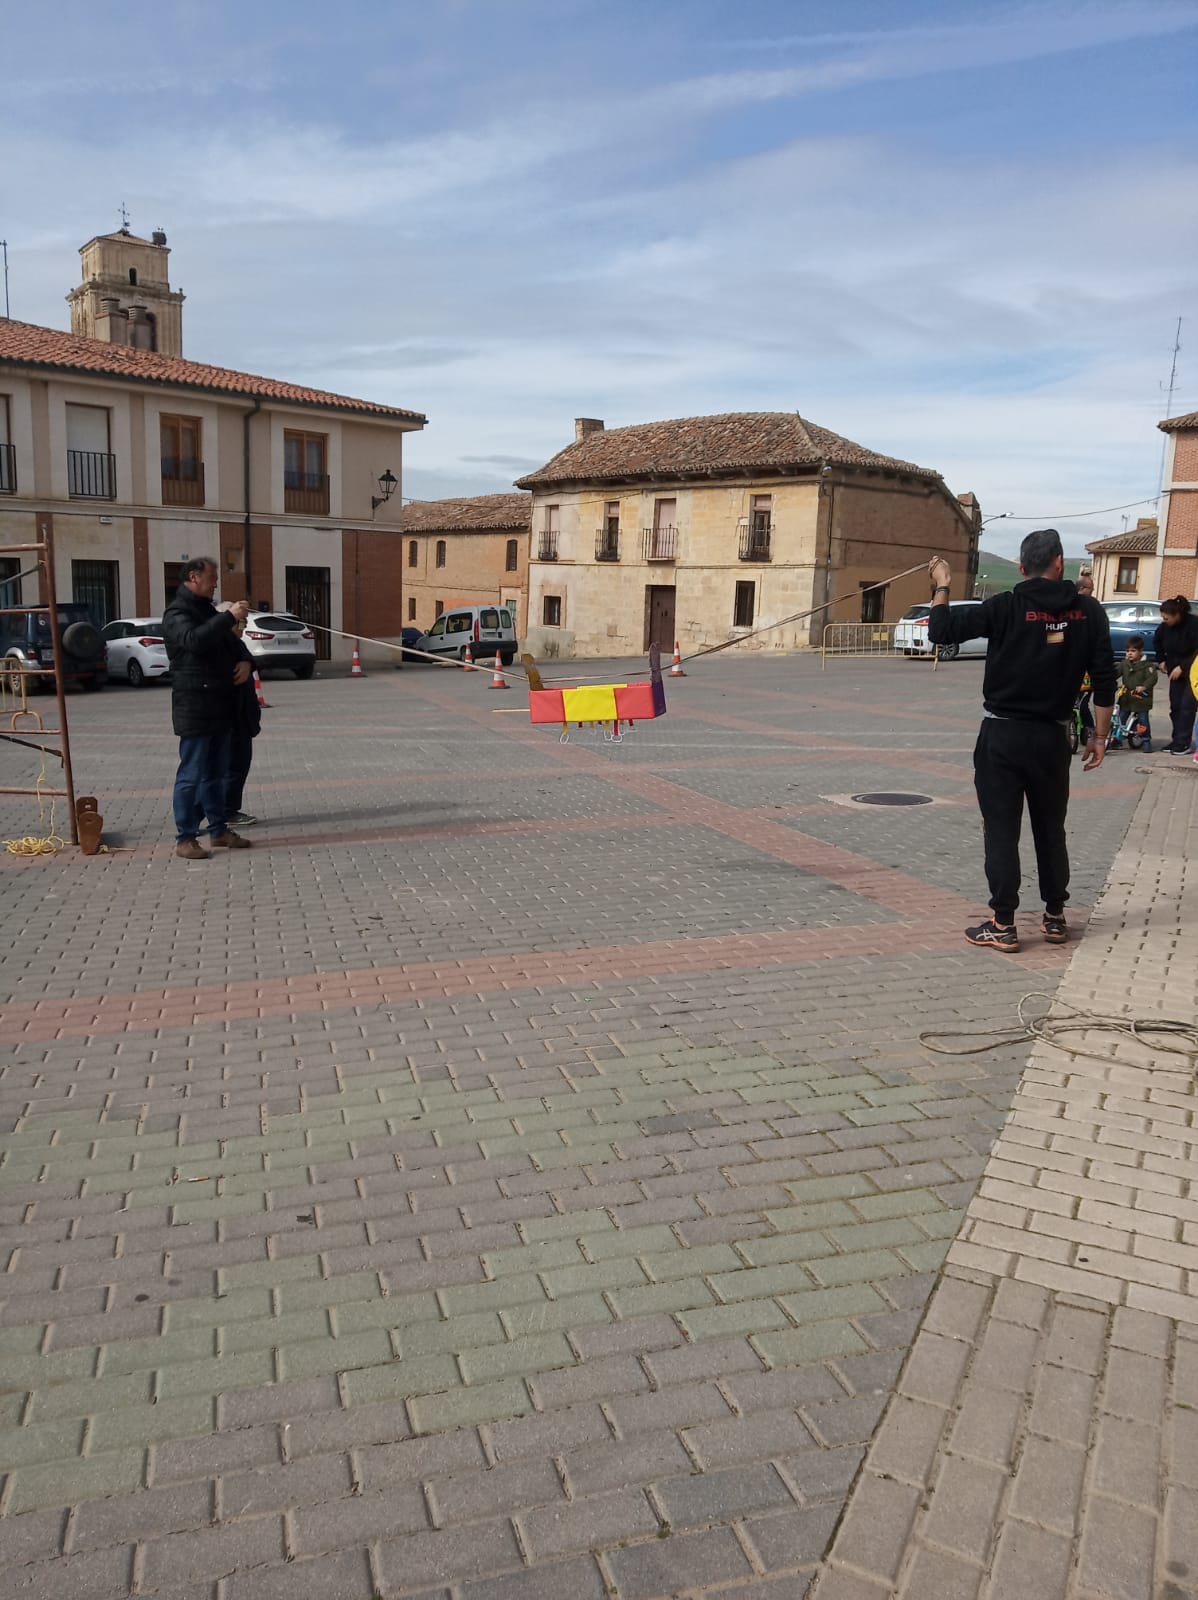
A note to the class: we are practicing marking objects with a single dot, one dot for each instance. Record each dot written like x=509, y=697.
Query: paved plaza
x=519, y=1176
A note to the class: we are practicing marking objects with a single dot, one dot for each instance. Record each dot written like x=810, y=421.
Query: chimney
x=585, y=426
x=141, y=329
x=112, y=324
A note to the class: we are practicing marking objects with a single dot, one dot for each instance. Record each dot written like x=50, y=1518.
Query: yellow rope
x=32, y=844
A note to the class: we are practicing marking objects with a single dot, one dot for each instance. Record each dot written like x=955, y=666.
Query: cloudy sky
x=961, y=233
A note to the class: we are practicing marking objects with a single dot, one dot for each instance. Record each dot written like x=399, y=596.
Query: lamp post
x=388, y=483
x=998, y=516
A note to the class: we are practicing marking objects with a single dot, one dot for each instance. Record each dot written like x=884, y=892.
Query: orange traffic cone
x=355, y=670
x=676, y=665
x=468, y=660
x=262, y=700
x=498, y=681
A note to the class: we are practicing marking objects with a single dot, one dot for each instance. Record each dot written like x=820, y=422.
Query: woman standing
x=1176, y=646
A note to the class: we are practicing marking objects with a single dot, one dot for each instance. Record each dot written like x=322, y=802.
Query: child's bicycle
x=1130, y=727
x=1081, y=723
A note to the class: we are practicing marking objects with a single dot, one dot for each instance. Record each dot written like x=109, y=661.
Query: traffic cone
x=355, y=669
x=262, y=700
x=676, y=665
x=468, y=660
x=498, y=681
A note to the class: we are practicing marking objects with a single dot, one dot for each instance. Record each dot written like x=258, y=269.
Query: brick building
x=136, y=459
x=1178, y=543
x=1126, y=566
x=703, y=528
x=466, y=552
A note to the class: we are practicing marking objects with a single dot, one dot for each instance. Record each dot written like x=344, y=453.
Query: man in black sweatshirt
x=1044, y=638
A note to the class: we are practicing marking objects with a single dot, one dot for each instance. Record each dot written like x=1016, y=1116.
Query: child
x=1137, y=680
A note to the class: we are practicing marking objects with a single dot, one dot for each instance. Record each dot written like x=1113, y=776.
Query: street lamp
x=388, y=483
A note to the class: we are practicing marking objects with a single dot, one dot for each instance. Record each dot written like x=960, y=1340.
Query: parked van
x=486, y=629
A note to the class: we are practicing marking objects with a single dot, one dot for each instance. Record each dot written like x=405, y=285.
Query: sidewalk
x=1043, y=1440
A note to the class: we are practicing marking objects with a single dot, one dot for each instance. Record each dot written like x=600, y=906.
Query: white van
x=486, y=629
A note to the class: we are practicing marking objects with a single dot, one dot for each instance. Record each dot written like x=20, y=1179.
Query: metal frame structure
x=48, y=599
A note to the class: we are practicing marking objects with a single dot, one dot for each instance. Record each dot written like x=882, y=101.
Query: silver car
x=488, y=630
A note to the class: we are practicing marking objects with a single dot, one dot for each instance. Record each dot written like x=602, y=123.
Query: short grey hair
x=1039, y=550
x=199, y=564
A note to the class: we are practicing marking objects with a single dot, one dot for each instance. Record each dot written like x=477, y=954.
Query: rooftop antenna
x=1169, y=399
x=124, y=217
x=4, y=248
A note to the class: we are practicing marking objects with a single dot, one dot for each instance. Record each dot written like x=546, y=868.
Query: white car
x=911, y=635
x=278, y=639
x=136, y=650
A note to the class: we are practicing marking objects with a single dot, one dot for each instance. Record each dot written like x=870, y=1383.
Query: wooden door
x=659, y=616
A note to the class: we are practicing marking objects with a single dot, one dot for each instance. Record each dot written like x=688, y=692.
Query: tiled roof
x=23, y=344
x=477, y=513
x=1135, y=542
x=1172, y=424
x=690, y=447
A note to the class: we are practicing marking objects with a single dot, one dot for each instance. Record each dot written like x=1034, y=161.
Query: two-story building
x=466, y=553
x=1126, y=566
x=135, y=459
x=1178, y=542
x=705, y=528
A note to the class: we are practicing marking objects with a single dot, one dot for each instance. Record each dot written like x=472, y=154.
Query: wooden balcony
x=178, y=487
x=306, y=493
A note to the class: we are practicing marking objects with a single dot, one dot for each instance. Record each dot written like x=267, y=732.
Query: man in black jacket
x=1043, y=639
x=206, y=668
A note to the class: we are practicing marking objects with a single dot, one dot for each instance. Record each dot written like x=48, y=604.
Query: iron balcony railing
x=182, y=482
x=755, y=542
x=659, y=544
x=8, y=469
x=547, y=545
x=306, y=493
x=607, y=544
x=91, y=475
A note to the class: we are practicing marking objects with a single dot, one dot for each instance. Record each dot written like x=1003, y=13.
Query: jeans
x=200, y=785
x=241, y=755
x=1014, y=761
x=1182, y=708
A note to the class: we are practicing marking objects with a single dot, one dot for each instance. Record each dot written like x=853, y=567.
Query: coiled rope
x=1151, y=1032
x=47, y=844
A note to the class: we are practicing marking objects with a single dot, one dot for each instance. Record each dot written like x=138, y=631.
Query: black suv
x=25, y=639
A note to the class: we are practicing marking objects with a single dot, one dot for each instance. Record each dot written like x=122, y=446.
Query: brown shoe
x=190, y=850
x=229, y=841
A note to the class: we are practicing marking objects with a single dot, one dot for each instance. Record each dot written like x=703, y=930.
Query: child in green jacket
x=1137, y=679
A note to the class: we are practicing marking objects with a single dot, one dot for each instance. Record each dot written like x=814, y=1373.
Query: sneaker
x=191, y=850
x=229, y=841
x=996, y=938
x=242, y=819
x=1054, y=929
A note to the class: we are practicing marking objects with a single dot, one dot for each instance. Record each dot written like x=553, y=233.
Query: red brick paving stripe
x=84, y=1015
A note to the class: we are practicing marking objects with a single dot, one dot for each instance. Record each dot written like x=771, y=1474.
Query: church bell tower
x=125, y=295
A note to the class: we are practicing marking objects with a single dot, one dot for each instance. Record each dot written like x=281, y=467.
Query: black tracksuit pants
x=1014, y=761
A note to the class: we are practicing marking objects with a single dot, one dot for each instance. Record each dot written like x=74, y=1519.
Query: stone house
x=1178, y=542
x=466, y=552
x=135, y=459
x=1126, y=566
x=704, y=528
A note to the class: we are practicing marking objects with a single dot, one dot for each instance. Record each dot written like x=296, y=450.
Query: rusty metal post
x=49, y=597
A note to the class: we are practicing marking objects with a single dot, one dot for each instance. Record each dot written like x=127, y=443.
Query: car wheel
x=508, y=658
x=462, y=653
x=306, y=670
x=135, y=675
x=949, y=652
x=10, y=675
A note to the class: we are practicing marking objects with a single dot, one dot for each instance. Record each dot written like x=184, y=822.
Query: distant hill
x=997, y=573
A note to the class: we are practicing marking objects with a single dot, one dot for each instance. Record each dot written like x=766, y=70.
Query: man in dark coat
x=1044, y=637
x=206, y=671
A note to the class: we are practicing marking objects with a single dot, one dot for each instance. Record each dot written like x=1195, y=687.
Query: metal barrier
x=862, y=639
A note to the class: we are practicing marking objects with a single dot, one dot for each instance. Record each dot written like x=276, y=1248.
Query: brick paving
x=1043, y=1438
x=516, y=1176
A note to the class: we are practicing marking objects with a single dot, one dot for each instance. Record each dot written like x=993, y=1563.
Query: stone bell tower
x=125, y=296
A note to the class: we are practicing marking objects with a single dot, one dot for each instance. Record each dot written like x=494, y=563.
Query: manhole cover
x=892, y=799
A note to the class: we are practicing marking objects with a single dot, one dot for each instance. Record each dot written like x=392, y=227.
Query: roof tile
x=24, y=344
x=700, y=446
x=476, y=513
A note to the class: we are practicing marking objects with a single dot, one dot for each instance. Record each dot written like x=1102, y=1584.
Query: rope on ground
x=1151, y=1032
x=48, y=844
